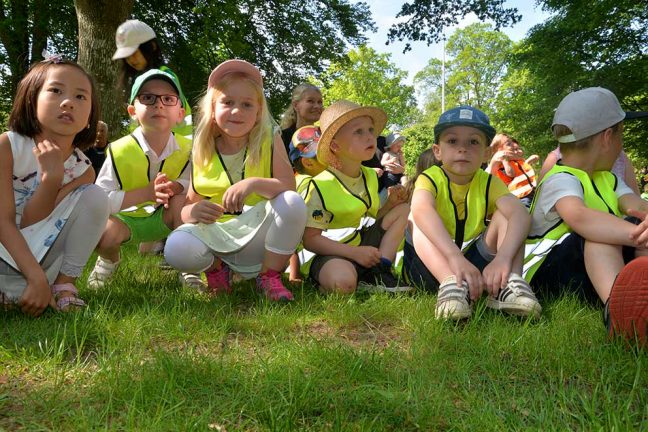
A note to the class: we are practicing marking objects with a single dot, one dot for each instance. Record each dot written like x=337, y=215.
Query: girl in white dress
x=242, y=212
x=51, y=215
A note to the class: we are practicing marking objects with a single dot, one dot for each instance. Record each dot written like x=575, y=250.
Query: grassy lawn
x=149, y=355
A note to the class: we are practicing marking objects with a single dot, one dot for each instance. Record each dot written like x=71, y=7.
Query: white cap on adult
x=130, y=35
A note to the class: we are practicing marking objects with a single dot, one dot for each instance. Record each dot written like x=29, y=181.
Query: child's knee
x=340, y=281
x=94, y=204
x=185, y=252
x=290, y=205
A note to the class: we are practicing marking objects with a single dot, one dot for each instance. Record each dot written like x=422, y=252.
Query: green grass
x=149, y=355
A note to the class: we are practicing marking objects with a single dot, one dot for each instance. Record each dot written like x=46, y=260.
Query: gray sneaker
x=516, y=298
x=453, y=301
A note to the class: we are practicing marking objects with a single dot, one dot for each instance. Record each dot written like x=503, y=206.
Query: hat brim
x=632, y=115
x=124, y=52
x=162, y=77
x=234, y=66
x=489, y=131
x=324, y=147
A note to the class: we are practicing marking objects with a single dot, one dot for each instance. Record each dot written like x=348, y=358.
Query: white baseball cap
x=130, y=35
x=589, y=111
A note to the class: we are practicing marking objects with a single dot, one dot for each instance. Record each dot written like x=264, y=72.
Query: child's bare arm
x=314, y=241
x=198, y=209
x=282, y=180
x=517, y=228
x=594, y=225
x=37, y=294
x=86, y=178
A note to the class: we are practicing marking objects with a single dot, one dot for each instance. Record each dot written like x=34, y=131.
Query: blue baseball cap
x=464, y=116
x=304, y=143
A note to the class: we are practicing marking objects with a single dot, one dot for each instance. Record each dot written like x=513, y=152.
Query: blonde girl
x=242, y=213
x=51, y=216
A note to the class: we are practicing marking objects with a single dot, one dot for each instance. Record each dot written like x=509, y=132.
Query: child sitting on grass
x=579, y=241
x=242, y=213
x=145, y=173
x=393, y=161
x=51, y=216
x=509, y=165
x=343, y=199
x=453, y=239
x=302, y=151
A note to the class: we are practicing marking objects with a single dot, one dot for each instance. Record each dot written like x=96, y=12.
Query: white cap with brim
x=589, y=111
x=129, y=36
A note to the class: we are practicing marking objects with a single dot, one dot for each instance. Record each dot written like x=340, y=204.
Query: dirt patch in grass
x=362, y=335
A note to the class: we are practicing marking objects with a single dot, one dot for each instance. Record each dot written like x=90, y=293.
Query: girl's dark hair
x=152, y=54
x=23, y=119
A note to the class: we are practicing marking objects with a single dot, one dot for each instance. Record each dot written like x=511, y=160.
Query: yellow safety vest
x=131, y=166
x=302, y=181
x=463, y=231
x=598, y=193
x=349, y=211
x=213, y=180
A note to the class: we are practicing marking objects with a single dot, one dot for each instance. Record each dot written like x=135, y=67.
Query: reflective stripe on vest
x=523, y=182
x=598, y=193
x=350, y=213
x=465, y=231
x=132, y=167
x=213, y=180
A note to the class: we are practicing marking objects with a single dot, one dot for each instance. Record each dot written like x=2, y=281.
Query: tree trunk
x=98, y=22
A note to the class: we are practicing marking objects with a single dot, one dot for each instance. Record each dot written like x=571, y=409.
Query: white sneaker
x=516, y=298
x=453, y=301
x=101, y=273
x=193, y=280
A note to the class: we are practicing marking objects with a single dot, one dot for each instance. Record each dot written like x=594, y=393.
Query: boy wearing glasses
x=146, y=173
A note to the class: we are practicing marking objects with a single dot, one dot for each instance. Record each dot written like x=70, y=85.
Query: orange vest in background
x=523, y=181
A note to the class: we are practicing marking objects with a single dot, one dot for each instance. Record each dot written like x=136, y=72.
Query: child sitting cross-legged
x=341, y=202
x=454, y=242
x=145, y=174
x=579, y=241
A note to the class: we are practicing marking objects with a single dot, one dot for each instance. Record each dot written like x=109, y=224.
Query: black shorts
x=415, y=272
x=563, y=271
x=371, y=236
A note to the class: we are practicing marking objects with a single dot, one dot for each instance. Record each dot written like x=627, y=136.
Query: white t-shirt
x=555, y=187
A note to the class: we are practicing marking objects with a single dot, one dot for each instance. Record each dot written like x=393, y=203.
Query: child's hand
x=37, y=296
x=496, y=275
x=640, y=233
x=396, y=194
x=162, y=189
x=394, y=168
x=206, y=212
x=366, y=256
x=465, y=270
x=379, y=171
x=234, y=196
x=50, y=160
x=533, y=159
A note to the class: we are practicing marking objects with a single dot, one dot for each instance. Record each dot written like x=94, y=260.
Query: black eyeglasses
x=150, y=99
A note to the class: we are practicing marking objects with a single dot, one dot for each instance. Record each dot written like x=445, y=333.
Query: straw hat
x=235, y=66
x=339, y=114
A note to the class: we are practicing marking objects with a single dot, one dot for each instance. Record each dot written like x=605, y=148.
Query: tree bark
x=98, y=22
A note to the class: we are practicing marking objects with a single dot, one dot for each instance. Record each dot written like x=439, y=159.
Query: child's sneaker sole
x=520, y=309
x=628, y=302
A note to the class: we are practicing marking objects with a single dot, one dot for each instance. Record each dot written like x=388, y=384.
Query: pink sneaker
x=270, y=284
x=219, y=281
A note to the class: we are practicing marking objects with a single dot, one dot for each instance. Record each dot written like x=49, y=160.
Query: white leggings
x=72, y=247
x=280, y=233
